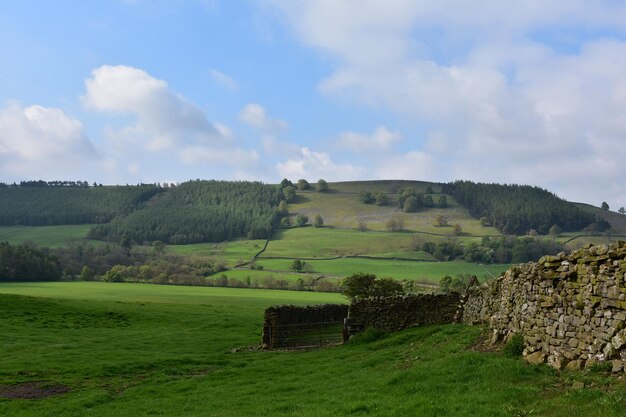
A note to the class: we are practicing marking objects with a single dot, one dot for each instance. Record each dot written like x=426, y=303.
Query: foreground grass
x=121, y=356
x=165, y=351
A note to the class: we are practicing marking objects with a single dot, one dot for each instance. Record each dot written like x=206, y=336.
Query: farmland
x=123, y=349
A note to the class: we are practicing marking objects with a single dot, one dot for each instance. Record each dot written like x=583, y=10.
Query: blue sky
x=127, y=91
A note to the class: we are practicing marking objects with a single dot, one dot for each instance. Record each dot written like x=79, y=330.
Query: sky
x=129, y=91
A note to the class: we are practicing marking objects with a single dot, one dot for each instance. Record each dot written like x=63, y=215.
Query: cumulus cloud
x=254, y=115
x=165, y=124
x=42, y=142
x=312, y=164
x=382, y=139
x=506, y=91
x=164, y=119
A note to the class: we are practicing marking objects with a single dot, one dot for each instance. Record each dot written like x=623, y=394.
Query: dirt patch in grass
x=483, y=344
x=32, y=390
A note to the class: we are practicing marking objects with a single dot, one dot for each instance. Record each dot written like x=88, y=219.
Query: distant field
x=618, y=221
x=50, y=236
x=259, y=276
x=232, y=253
x=420, y=271
x=145, y=350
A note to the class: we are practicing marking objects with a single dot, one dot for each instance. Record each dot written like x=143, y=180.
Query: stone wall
x=571, y=309
x=397, y=313
x=283, y=322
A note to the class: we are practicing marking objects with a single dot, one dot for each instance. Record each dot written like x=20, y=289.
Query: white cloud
x=254, y=115
x=382, y=139
x=312, y=164
x=506, y=91
x=224, y=80
x=43, y=143
x=164, y=119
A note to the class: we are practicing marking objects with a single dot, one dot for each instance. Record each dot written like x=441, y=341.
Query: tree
x=381, y=198
x=441, y=221
x=484, y=222
x=297, y=265
x=301, y=220
x=285, y=222
x=125, y=244
x=555, y=230
x=361, y=225
x=368, y=285
x=322, y=186
x=318, y=221
x=428, y=201
x=285, y=183
x=159, y=248
x=457, y=230
x=290, y=193
x=410, y=205
x=366, y=197
x=396, y=223
x=429, y=189
x=621, y=210
x=442, y=202
x=303, y=184
x=604, y=206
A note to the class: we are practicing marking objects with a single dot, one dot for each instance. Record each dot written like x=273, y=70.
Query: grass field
x=419, y=271
x=242, y=274
x=345, y=210
x=51, y=236
x=140, y=350
x=233, y=253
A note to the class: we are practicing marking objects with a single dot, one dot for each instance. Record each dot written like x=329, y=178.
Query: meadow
x=430, y=272
x=145, y=350
x=50, y=236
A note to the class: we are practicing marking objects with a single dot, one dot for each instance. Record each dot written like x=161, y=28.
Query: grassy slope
x=51, y=236
x=340, y=207
x=162, y=351
x=419, y=271
x=233, y=253
x=617, y=221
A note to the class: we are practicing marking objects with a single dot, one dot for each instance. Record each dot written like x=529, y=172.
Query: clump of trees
x=362, y=285
x=515, y=209
x=502, y=250
x=27, y=263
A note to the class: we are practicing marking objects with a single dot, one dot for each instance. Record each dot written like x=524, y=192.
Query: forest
x=37, y=203
x=517, y=209
x=200, y=211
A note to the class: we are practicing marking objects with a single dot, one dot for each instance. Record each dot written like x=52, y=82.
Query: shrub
x=368, y=285
x=515, y=346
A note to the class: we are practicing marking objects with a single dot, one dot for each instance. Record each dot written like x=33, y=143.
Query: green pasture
x=50, y=236
x=345, y=210
x=143, y=350
x=420, y=271
x=260, y=276
x=233, y=253
x=313, y=242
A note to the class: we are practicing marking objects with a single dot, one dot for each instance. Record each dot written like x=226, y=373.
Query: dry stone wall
x=397, y=313
x=282, y=322
x=571, y=309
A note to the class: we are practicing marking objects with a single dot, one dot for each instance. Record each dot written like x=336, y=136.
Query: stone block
x=536, y=358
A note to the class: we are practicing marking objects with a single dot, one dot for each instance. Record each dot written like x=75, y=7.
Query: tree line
x=27, y=263
x=517, y=209
x=57, y=205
